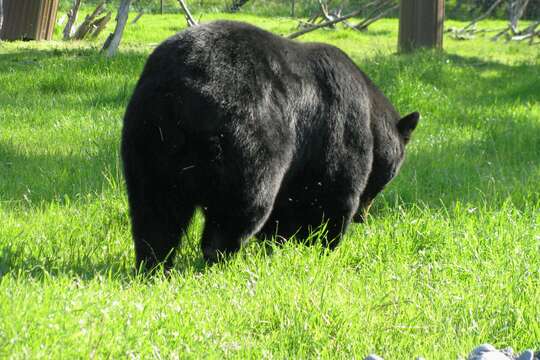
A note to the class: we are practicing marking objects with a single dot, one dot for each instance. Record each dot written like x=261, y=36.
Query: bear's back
x=225, y=70
x=240, y=57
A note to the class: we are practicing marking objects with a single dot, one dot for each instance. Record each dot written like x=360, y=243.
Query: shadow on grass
x=17, y=262
x=80, y=83
x=502, y=164
x=72, y=77
x=378, y=32
x=479, y=139
x=465, y=81
x=32, y=179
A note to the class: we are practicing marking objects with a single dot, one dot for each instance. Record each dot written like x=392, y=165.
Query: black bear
x=267, y=136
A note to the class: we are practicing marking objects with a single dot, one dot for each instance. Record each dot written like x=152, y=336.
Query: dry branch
x=532, y=27
x=100, y=24
x=501, y=33
x=325, y=24
x=324, y=11
x=378, y=7
x=370, y=20
x=139, y=15
x=469, y=30
x=483, y=16
x=189, y=19
x=518, y=35
x=88, y=24
x=324, y=14
x=516, y=12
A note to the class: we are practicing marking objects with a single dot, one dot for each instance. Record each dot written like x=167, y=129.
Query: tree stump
x=420, y=24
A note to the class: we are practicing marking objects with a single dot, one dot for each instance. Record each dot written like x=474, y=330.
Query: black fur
x=266, y=135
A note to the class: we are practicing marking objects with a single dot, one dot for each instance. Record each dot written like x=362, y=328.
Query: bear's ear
x=407, y=124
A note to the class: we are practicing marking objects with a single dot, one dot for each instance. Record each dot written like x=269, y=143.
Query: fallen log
x=100, y=24
x=87, y=26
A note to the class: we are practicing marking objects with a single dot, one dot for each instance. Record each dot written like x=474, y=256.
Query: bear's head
x=390, y=139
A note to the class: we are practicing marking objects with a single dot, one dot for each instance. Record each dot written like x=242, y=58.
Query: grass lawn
x=448, y=259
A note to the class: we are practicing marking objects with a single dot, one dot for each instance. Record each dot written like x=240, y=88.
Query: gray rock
x=483, y=348
x=487, y=352
x=508, y=352
x=373, y=357
x=526, y=355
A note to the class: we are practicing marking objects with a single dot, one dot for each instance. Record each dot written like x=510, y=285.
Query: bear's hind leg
x=239, y=207
x=156, y=233
x=225, y=232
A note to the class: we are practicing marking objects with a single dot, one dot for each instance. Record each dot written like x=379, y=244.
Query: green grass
x=448, y=259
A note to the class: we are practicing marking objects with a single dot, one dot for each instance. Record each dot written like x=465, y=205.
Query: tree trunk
x=420, y=24
x=72, y=19
x=113, y=41
x=187, y=14
x=516, y=8
x=1, y=14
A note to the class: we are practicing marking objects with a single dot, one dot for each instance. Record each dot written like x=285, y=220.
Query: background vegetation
x=448, y=259
x=455, y=9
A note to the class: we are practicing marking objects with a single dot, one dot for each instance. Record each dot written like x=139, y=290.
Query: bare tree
x=113, y=41
x=72, y=18
x=516, y=8
x=1, y=14
x=189, y=18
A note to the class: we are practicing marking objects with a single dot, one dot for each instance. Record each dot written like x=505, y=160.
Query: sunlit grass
x=448, y=259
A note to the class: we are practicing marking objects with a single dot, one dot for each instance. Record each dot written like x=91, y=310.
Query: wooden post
x=28, y=19
x=420, y=24
x=161, y=6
